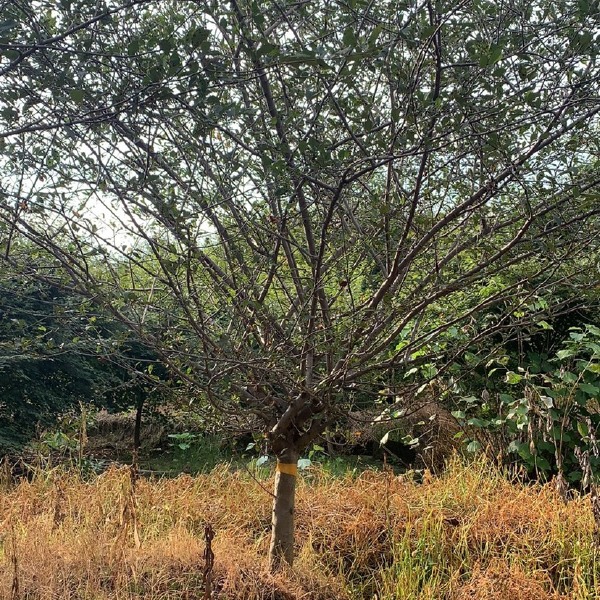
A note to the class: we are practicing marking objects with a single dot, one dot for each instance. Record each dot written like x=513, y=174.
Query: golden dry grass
x=469, y=534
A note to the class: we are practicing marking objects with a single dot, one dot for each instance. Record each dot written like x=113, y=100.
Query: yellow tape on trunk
x=288, y=468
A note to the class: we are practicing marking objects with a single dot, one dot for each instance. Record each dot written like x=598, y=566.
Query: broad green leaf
x=491, y=56
x=481, y=423
x=593, y=329
x=542, y=463
x=513, y=378
x=562, y=354
x=349, y=38
x=77, y=95
x=166, y=45
x=133, y=47
x=9, y=113
x=589, y=388
x=374, y=36
x=199, y=35
x=471, y=400
x=268, y=49
x=594, y=347
x=583, y=429
x=7, y=25
x=473, y=446
x=514, y=446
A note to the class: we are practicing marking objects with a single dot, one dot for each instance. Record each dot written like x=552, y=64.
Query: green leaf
x=542, y=463
x=524, y=451
x=11, y=54
x=303, y=58
x=471, y=359
x=513, y=447
x=583, y=429
x=199, y=36
x=349, y=38
x=9, y=113
x=155, y=74
x=375, y=35
x=593, y=329
x=7, y=25
x=304, y=463
x=470, y=400
x=481, y=423
x=590, y=389
x=513, y=378
x=474, y=446
x=583, y=9
x=584, y=40
x=267, y=49
x=166, y=45
x=562, y=354
x=77, y=96
x=133, y=47
x=568, y=376
x=491, y=56
x=411, y=372
x=495, y=54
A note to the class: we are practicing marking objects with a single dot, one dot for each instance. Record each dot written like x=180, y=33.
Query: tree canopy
x=59, y=353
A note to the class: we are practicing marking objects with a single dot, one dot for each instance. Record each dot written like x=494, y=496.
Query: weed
x=467, y=534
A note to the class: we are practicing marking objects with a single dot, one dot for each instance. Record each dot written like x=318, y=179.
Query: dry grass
x=469, y=534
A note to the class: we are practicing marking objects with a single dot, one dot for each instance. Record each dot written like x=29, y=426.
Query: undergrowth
x=467, y=534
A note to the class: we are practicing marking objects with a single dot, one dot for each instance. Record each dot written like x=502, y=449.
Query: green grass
x=202, y=455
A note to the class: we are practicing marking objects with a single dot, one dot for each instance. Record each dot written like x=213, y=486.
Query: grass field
x=467, y=534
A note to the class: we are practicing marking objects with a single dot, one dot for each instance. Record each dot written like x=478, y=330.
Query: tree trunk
x=282, y=524
x=137, y=430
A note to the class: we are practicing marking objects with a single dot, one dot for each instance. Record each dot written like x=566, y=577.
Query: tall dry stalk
x=14, y=560
x=209, y=561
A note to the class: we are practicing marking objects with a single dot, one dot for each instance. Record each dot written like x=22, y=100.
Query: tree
x=49, y=361
x=57, y=353
x=316, y=191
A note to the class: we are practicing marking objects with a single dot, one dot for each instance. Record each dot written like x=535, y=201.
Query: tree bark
x=282, y=524
x=137, y=430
